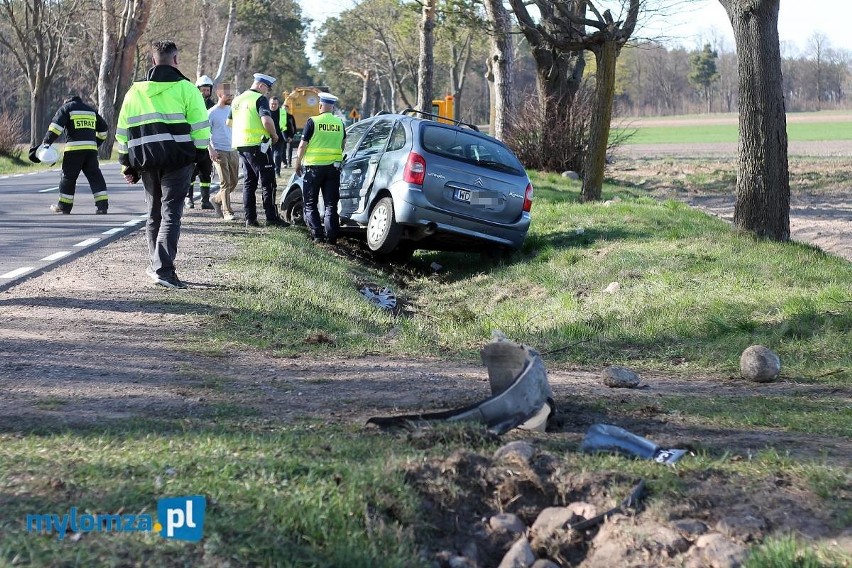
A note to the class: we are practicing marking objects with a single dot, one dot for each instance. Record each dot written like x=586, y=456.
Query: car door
x=360, y=167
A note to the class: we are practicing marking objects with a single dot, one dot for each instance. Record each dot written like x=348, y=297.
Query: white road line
x=48, y=189
x=17, y=175
x=57, y=255
x=113, y=231
x=132, y=223
x=87, y=242
x=17, y=272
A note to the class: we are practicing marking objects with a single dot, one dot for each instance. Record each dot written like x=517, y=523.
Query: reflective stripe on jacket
x=162, y=123
x=84, y=128
x=326, y=143
x=246, y=127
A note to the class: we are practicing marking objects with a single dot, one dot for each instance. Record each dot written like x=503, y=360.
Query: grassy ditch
x=306, y=492
x=692, y=294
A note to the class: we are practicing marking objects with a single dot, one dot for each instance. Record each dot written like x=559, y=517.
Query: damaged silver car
x=409, y=182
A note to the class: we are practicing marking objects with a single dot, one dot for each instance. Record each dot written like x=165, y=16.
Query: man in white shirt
x=225, y=158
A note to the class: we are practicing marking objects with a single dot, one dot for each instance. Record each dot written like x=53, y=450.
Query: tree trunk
x=38, y=113
x=458, y=71
x=118, y=60
x=501, y=66
x=427, y=57
x=763, y=181
x=203, y=29
x=226, y=42
x=595, y=161
x=558, y=78
x=367, y=88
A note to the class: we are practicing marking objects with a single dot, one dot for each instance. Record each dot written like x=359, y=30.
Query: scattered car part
x=631, y=502
x=609, y=438
x=521, y=396
x=381, y=296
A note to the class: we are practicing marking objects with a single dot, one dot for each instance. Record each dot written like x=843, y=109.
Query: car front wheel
x=293, y=208
x=383, y=232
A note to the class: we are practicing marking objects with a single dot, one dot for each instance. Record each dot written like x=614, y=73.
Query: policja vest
x=326, y=144
x=246, y=127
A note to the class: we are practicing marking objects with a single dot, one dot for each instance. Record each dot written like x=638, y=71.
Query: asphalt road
x=33, y=239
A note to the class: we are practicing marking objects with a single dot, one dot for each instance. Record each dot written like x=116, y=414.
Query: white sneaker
x=228, y=216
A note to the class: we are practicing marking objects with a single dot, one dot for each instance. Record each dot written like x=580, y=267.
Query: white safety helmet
x=204, y=81
x=47, y=155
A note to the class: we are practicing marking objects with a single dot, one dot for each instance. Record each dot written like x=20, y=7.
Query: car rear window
x=465, y=147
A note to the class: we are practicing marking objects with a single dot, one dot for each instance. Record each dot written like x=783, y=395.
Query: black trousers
x=259, y=168
x=164, y=195
x=86, y=161
x=325, y=179
x=204, y=173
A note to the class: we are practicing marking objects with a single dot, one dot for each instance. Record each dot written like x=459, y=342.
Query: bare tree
x=500, y=65
x=121, y=33
x=226, y=42
x=563, y=29
x=763, y=180
x=426, y=65
x=203, y=32
x=38, y=29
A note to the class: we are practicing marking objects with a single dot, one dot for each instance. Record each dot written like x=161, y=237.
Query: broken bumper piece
x=521, y=396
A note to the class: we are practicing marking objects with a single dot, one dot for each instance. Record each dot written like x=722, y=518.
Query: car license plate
x=462, y=195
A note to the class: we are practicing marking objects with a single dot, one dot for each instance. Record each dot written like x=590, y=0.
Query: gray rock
x=664, y=540
x=518, y=449
x=550, y=520
x=570, y=175
x=506, y=522
x=519, y=556
x=620, y=377
x=759, y=364
x=742, y=527
x=583, y=509
x=716, y=551
x=690, y=527
x=612, y=288
x=544, y=563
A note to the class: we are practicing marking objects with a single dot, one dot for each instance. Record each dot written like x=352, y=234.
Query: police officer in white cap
x=252, y=128
x=321, y=153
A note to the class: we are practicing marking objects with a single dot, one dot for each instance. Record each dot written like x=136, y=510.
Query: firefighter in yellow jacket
x=162, y=129
x=321, y=153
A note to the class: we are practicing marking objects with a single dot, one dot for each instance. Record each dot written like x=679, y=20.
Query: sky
x=797, y=21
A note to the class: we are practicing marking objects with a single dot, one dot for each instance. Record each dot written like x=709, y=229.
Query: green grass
x=284, y=496
x=689, y=134
x=14, y=166
x=693, y=294
x=308, y=494
x=788, y=552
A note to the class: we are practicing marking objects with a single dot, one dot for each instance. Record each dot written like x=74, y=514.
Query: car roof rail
x=411, y=111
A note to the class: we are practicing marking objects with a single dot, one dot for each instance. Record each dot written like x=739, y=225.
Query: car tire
x=293, y=208
x=383, y=232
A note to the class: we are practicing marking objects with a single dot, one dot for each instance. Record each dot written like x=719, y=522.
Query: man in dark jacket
x=85, y=130
x=162, y=152
x=289, y=133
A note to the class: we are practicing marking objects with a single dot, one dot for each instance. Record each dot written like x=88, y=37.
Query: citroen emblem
x=479, y=182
